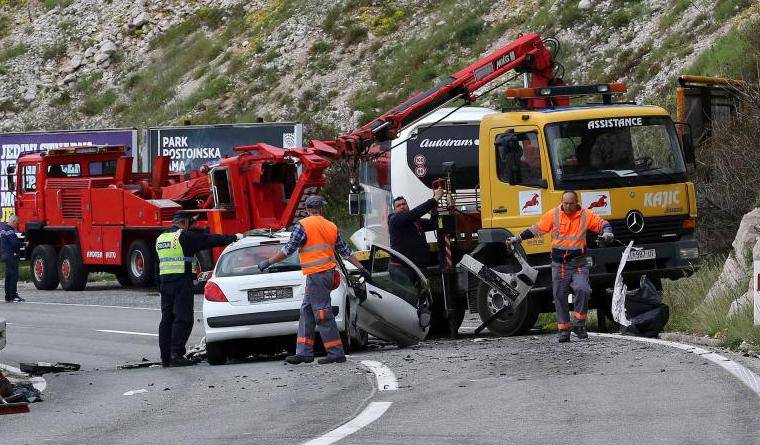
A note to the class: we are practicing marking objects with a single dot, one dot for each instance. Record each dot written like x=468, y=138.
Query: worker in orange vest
x=317, y=239
x=568, y=225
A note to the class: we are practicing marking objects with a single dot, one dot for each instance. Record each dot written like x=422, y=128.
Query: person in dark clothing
x=10, y=254
x=407, y=233
x=175, y=249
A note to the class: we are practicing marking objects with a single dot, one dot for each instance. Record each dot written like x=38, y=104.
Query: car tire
x=141, y=262
x=520, y=322
x=72, y=271
x=216, y=353
x=44, y=265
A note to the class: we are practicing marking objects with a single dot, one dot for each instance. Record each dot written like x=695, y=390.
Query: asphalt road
x=486, y=390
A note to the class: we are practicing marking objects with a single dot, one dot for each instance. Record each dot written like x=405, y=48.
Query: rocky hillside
x=103, y=63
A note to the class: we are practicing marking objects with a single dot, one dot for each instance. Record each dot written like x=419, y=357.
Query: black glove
x=364, y=273
x=264, y=265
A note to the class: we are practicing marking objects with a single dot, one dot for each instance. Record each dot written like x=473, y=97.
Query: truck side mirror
x=356, y=203
x=10, y=172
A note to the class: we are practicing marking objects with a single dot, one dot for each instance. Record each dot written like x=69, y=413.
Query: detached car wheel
x=44, y=265
x=216, y=354
x=490, y=301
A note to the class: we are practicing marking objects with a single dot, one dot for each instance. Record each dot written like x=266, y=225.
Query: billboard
x=13, y=144
x=189, y=147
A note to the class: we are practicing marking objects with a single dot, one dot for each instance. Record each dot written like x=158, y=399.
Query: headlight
x=688, y=252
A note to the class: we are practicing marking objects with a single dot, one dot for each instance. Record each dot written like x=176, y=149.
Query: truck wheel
x=71, y=270
x=141, y=260
x=216, y=353
x=44, y=265
x=489, y=301
x=123, y=278
x=202, y=262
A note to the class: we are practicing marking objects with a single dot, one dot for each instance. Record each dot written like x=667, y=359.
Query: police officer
x=568, y=225
x=316, y=239
x=175, y=249
x=11, y=249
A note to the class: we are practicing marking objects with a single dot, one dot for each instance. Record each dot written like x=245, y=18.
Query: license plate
x=640, y=255
x=269, y=294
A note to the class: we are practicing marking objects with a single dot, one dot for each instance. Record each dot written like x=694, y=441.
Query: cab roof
x=570, y=113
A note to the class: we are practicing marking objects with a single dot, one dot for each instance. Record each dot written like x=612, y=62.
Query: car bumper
x=223, y=321
x=673, y=260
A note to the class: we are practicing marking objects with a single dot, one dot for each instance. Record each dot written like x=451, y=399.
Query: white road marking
x=372, y=412
x=101, y=305
x=135, y=391
x=38, y=382
x=386, y=380
x=746, y=376
x=147, y=334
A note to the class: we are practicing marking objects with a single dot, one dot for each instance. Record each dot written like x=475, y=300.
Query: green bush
x=13, y=51
x=86, y=82
x=54, y=51
x=50, y=4
x=6, y=25
x=732, y=55
x=96, y=104
x=725, y=9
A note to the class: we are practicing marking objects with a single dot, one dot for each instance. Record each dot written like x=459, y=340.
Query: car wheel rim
x=496, y=301
x=137, y=263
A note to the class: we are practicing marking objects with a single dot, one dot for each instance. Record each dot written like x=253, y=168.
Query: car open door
x=389, y=309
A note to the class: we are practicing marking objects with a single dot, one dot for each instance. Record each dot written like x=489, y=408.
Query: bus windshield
x=615, y=152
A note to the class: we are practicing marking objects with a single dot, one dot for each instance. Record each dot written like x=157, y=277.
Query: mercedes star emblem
x=635, y=221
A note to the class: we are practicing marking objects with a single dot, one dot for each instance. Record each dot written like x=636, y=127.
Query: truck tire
x=216, y=353
x=123, y=278
x=141, y=262
x=44, y=265
x=489, y=301
x=72, y=271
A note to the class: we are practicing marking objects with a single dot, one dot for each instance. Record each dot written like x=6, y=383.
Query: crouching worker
x=568, y=225
x=316, y=239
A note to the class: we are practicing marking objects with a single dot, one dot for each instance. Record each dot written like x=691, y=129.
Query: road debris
x=135, y=391
x=41, y=368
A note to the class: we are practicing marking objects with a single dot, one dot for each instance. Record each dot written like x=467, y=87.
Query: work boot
x=17, y=299
x=564, y=335
x=298, y=359
x=328, y=360
x=179, y=361
x=580, y=331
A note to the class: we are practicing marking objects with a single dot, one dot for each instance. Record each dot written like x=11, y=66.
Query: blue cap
x=314, y=201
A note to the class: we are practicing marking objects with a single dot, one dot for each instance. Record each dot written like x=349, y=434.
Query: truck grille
x=71, y=204
x=656, y=229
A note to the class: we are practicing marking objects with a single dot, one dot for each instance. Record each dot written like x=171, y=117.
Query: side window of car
x=393, y=275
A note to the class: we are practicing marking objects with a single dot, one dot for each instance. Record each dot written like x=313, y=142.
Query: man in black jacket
x=175, y=254
x=10, y=253
x=407, y=233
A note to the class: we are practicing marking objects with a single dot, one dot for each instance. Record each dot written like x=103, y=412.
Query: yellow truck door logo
x=530, y=203
x=597, y=202
x=662, y=199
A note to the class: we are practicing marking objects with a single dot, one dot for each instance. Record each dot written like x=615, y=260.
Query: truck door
x=517, y=177
x=389, y=310
x=30, y=202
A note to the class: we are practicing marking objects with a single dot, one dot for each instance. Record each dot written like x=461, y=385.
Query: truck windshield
x=615, y=152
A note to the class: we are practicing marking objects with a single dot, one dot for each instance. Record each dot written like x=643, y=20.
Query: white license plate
x=639, y=255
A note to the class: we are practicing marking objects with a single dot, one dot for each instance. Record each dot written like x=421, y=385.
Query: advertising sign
x=597, y=202
x=430, y=147
x=530, y=203
x=13, y=144
x=190, y=147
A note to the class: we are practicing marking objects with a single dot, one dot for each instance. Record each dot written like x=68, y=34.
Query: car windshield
x=616, y=152
x=245, y=261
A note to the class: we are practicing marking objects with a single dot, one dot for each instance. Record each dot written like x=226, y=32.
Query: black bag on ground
x=645, y=310
x=648, y=324
x=644, y=299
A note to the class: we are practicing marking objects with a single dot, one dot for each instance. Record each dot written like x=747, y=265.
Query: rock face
x=738, y=265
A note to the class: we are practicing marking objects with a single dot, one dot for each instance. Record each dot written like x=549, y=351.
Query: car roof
x=257, y=240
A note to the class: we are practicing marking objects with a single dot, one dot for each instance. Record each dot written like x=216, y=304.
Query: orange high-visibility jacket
x=317, y=254
x=569, y=231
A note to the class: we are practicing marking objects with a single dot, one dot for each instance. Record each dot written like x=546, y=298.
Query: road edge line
x=386, y=379
x=372, y=412
x=746, y=376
